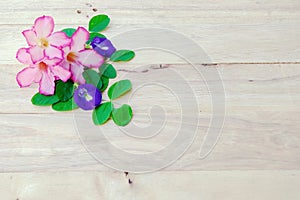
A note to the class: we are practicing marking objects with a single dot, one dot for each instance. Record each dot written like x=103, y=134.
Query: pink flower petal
x=61, y=73
x=79, y=39
x=77, y=71
x=65, y=65
x=30, y=37
x=23, y=56
x=66, y=50
x=27, y=76
x=36, y=53
x=53, y=52
x=43, y=26
x=38, y=76
x=90, y=58
x=47, y=84
x=52, y=62
x=59, y=39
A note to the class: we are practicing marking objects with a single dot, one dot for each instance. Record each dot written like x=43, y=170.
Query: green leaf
x=108, y=70
x=43, y=100
x=64, y=90
x=123, y=115
x=105, y=82
x=102, y=113
x=119, y=88
x=98, y=23
x=92, y=77
x=122, y=55
x=65, y=106
x=93, y=35
x=69, y=31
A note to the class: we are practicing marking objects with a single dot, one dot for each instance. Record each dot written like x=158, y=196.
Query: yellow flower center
x=71, y=57
x=43, y=66
x=43, y=42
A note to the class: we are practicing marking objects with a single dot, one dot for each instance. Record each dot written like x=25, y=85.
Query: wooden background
x=255, y=45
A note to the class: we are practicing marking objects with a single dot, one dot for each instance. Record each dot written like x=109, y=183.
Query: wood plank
x=243, y=31
x=254, y=185
x=275, y=87
x=40, y=142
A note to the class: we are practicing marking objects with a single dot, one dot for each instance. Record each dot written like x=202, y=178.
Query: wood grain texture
x=228, y=185
x=255, y=47
x=243, y=31
x=260, y=131
x=271, y=86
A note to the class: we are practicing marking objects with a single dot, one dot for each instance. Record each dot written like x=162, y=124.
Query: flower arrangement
x=73, y=68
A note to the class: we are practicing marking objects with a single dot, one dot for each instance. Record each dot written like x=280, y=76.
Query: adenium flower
x=87, y=96
x=44, y=72
x=43, y=42
x=76, y=57
x=103, y=46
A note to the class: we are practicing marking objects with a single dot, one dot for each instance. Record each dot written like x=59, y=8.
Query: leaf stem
x=111, y=102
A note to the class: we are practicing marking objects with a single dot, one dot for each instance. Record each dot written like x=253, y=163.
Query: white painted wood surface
x=229, y=31
x=255, y=46
x=209, y=185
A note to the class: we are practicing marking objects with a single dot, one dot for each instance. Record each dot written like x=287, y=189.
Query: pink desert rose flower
x=76, y=57
x=43, y=42
x=44, y=72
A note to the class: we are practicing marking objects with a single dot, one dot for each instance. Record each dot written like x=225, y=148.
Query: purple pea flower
x=103, y=46
x=87, y=96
